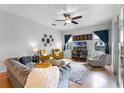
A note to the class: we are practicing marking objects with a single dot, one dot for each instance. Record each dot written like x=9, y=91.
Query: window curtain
x=66, y=39
x=104, y=36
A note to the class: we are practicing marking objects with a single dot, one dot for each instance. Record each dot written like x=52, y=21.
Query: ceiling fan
x=68, y=19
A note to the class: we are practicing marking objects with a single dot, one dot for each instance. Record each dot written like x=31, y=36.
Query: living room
x=75, y=41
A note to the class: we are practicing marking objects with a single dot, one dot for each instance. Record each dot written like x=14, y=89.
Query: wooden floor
x=97, y=78
x=4, y=82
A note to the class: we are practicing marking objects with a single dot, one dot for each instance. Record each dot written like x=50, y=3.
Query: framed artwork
x=47, y=40
x=43, y=40
x=50, y=36
x=82, y=37
x=45, y=44
x=52, y=39
x=74, y=38
x=78, y=37
x=45, y=35
x=85, y=37
x=90, y=37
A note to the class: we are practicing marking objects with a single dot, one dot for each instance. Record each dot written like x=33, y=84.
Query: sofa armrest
x=18, y=70
x=65, y=71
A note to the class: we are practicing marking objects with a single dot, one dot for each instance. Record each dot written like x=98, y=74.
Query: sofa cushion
x=25, y=59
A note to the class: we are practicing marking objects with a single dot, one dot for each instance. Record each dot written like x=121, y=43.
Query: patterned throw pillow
x=35, y=59
x=25, y=59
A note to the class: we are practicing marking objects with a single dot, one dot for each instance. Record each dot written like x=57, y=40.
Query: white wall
x=18, y=35
x=89, y=30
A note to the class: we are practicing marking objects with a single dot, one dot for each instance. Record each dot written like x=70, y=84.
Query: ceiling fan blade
x=66, y=15
x=60, y=20
x=74, y=22
x=77, y=17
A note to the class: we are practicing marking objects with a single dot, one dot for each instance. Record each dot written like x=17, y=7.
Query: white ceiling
x=46, y=14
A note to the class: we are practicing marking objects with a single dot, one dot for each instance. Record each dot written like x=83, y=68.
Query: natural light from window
x=95, y=36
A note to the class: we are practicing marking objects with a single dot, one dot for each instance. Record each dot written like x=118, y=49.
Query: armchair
x=44, y=56
x=43, y=52
x=57, y=54
x=98, y=60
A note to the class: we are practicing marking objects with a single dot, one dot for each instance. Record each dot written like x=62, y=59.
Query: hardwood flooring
x=4, y=82
x=97, y=78
x=101, y=77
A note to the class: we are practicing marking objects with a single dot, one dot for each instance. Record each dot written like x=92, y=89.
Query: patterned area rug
x=79, y=72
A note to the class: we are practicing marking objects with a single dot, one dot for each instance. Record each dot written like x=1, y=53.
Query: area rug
x=79, y=72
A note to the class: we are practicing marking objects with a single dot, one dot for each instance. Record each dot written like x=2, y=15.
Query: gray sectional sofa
x=18, y=73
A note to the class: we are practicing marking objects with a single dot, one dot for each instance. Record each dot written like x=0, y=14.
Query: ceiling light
x=68, y=21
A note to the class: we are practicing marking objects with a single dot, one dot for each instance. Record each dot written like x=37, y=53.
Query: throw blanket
x=43, y=78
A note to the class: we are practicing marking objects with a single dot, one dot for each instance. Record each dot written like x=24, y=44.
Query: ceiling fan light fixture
x=68, y=21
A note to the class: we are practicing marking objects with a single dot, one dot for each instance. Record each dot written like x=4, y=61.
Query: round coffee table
x=42, y=65
x=58, y=63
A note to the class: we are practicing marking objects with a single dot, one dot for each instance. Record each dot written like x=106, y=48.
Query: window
x=68, y=45
x=99, y=45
